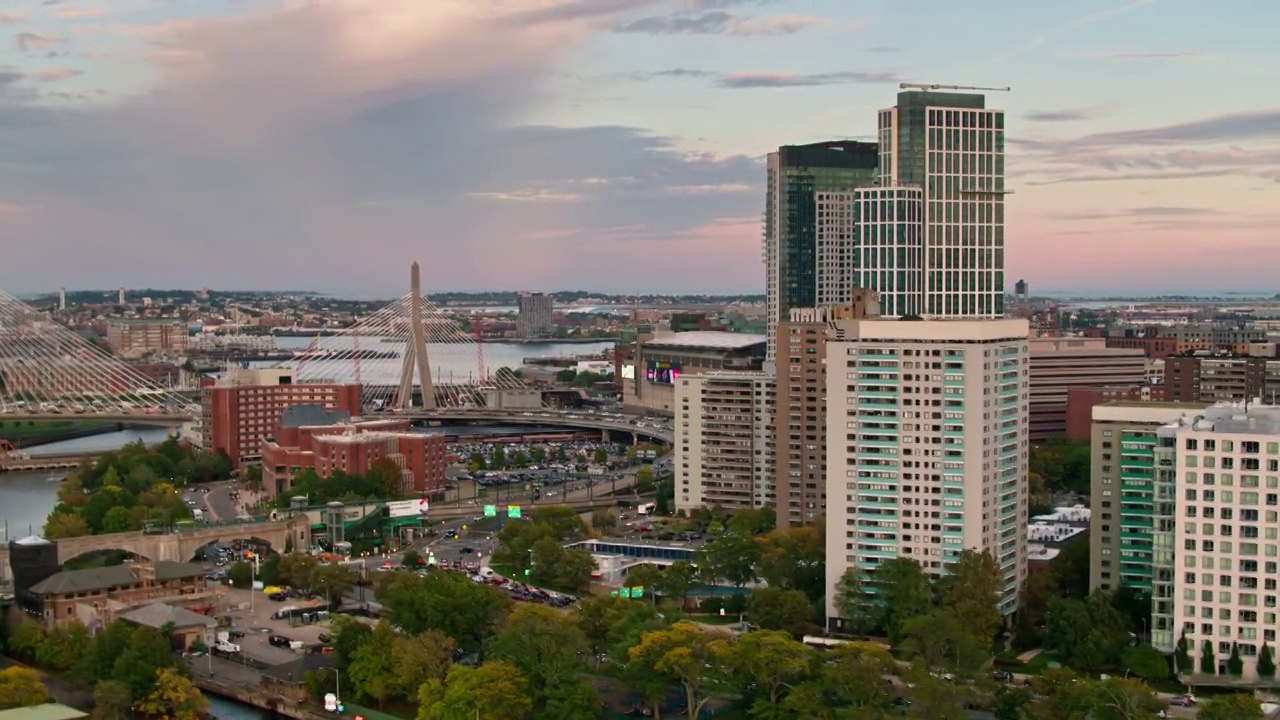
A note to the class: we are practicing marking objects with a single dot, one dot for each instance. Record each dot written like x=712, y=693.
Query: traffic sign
x=490, y=510
x=624, y=592
x=513, y=511
x=637, y=592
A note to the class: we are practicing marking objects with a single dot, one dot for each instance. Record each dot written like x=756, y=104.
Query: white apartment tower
x=947, y=150
x=724, y=451
x=926, y=446
x=1225, y=553
x=536, y=315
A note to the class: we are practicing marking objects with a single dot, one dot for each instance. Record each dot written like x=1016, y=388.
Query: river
x=451, y=363
x=224, y=709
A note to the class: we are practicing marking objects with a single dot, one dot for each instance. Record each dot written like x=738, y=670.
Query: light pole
x=337, y=684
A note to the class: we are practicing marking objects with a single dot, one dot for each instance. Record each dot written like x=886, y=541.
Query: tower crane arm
x=936, y=86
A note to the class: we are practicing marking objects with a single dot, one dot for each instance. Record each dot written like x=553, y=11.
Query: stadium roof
x=718, y=339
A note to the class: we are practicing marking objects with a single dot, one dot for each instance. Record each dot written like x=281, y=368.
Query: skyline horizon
x=537, y=141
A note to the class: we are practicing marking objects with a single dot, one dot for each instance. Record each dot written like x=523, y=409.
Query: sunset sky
x=612, y=145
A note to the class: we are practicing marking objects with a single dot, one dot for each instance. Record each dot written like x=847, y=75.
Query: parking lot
x=257, y=624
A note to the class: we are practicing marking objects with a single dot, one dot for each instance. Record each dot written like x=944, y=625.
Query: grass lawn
x=1040, y=663
x=22, y=429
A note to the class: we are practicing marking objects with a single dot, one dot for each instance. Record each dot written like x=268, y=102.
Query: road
x=216, y=503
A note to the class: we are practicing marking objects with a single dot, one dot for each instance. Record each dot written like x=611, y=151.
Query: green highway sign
x=513, y=511
x=490, y=510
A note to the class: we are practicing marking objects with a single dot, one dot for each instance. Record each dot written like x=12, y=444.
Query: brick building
x=244, y=407
x=1214, y=378
x=1081, y=401
x=96, y=596
x=328, y=442
x=135, y=337
x=1061, y=363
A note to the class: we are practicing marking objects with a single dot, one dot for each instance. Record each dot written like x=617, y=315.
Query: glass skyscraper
x=796, y=175
x=950, y=147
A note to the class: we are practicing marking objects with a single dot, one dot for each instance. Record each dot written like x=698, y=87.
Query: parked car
x=279, y=641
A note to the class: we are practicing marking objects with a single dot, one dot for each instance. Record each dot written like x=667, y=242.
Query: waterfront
x=224, y=709
x=451, y=363
x=27, y=498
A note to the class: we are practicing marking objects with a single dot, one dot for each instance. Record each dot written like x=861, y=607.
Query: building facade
x=1125, y=498
x=796, y=174
x=306, y=442
x=1227, y=567
x=926, y=446
x=135, y=337
x=649, y=380
x=244, y=407
x=536, y=316
x=800, y=420
x=889, y=254
x=1214, y=378
x=95, y=596
x=950, y=147
x=1061, y=363
x=724, y=454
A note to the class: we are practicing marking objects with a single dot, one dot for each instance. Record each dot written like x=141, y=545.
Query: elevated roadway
x=17, y=463
x=540, y=417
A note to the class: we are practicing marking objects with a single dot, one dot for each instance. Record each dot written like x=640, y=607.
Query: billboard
x=408, y=508
x=662, y=371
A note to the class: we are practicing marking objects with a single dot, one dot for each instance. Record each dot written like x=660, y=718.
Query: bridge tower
x=415, y=354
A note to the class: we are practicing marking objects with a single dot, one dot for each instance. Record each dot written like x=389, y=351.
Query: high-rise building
x=800, y=420
x=1226, y=464
x=1131, y=507
x=120, y=300
x=926, y=446
x=62, y=298
x=724, y=451
x=536, y=315
x=889, y=232
x=794, y=267
x=949, y=148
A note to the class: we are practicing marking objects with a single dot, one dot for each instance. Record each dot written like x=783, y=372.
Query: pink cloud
x=78, y=13
x=55, y=75
x=11, y=18
x=30, y=41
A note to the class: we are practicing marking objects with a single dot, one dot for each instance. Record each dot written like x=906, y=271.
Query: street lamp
x=337, y=684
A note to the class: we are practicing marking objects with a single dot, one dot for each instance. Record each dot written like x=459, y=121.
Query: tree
x=411, y=558
x=26, y=639
x=372, y=668
x=771, y=661
x=297, y=569
x=111, y=701
x=793, y=558
x=332, y=581
x=1236, y=706
x=902, y=591
x=752, y=521
x=940, y=640
x=853, y=677
x=1062, y=695
x=1182, y=655
x=677, y=580
x=1008, y=702
x=493, y=691
x=1122, y=699
x=174, y=697
x=1266, y=666
x=21, y=687
x=147, y=653
x=419, y=658
x=1088, y=634
x=604, y=521
x=241, y=575
x=644, y=480
x=857, y=607
x=63, y=646
x=971, y=592
x=1208, y=660
x=601, y=456
x=935, y=699
x=1235, y=666
x=1145, y=662
x=686, y=654
x=776, y=609
x=62, y=525
x=731, y=558
x=448, y=602
x=550, y=651
x=386, y=477
x=645, y=576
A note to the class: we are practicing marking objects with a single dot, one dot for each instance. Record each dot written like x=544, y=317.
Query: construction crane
x=935, y=86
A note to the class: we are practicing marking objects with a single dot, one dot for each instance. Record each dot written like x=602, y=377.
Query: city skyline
x=545, y=143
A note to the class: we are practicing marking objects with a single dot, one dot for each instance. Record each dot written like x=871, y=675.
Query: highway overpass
x=541, y=417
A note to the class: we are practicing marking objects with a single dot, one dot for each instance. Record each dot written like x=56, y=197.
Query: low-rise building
x=242, y=408
x=135, y=337
x=187, y=629
x=97, y=596
x=649, y=384
x=329, y=442
x=1061, y=363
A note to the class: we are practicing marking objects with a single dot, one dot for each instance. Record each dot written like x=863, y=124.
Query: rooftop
x=47, y=711
x=717, y=339
x=295, y=416
x=1239, y=418
x=161, y=614
x=101, y=578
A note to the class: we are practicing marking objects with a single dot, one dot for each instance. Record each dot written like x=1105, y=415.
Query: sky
x=611, y=145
